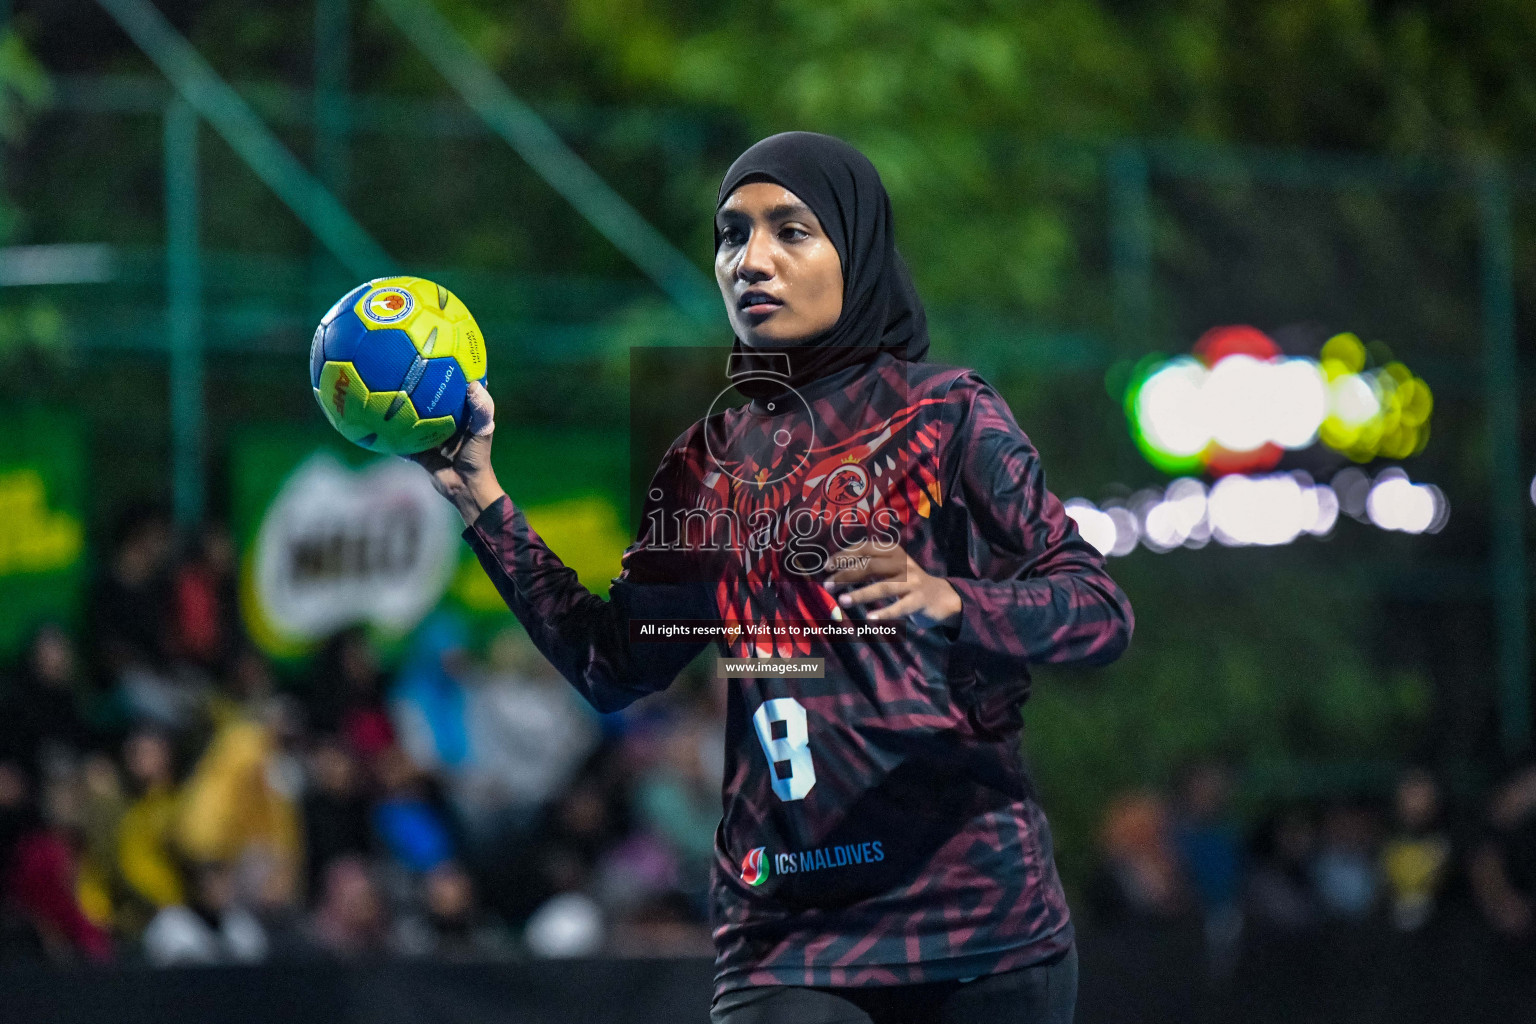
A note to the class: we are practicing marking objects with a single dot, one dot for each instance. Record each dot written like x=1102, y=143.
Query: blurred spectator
x=1280, y=894
x=335, y=810
x=346, y=694
x=415, y=815
x=583, y=827
x=211, y=929
x=525, y=733
x=408, y=822
x=130, y=625
x=43, y=724
x=146, y=858
x=102, y=805
x=505, y=739
x=205, y=612
x=658, y=863
x=639, y=874
x=18, y=939
x=41, y=875
x=1210, y=853
x=350, y=919
x=246, y=687
x=450, y=923
x=1503, y=867
x=653, y=886
x=1138, y=875
x=1416, y=858
x=677, y=800
x=1345, y=866
x=430, y=702
x=589, y=820
x=241, y=799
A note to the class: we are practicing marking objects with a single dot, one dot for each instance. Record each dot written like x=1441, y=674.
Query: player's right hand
x=461, y=469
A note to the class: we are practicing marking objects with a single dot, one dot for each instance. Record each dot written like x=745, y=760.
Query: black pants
x=1043, y=994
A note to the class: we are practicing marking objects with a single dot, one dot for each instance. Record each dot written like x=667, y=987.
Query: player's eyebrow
x=782, y=211
x=789, y=211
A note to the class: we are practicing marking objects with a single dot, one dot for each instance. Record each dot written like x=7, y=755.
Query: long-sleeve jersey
x=878, y=824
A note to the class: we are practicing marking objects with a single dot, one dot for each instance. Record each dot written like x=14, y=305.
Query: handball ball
x=391, y=361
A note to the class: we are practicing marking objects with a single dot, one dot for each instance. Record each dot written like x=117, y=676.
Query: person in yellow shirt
x=240, y=801
x=146, y=859
x=1417, y=857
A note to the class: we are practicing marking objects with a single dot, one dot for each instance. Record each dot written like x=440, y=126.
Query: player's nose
x=756, y=263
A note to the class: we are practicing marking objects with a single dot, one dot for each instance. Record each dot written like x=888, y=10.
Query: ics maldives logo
x=754, y=867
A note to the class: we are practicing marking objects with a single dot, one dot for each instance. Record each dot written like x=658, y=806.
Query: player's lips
x=757, y=303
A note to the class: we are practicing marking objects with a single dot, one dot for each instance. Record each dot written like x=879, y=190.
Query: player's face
x=779, y=273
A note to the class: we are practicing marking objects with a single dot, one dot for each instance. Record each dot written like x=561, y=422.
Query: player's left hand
x=891, y=573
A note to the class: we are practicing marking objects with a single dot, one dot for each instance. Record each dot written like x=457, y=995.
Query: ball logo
x=754, y=867
x=339, y=393
x=847, y=484
x=388, y=305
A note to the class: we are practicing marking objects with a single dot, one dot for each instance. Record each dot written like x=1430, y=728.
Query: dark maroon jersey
x=879, y=826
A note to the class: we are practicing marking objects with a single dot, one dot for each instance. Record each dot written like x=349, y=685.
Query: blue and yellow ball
x=391, y=361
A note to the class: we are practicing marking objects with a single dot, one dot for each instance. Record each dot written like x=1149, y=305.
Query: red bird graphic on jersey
x=779, y=468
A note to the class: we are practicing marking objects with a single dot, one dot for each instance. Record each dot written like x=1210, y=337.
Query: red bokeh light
x=1234, y=340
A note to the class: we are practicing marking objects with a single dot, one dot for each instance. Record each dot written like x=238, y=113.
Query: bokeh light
x=1396, y=503
x=1267, y=510
x=1263, y=510
x=1095, y=525
x=1373, y=413
x=1238, y=404
x=1169, y=415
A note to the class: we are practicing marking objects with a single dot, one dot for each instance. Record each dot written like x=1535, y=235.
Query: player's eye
x=732, y=236
x=791, y=233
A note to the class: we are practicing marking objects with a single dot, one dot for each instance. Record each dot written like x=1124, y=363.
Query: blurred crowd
x=168, y=795
x=1413, y=867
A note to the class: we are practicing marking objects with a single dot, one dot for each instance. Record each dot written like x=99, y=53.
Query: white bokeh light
x=1172, y=410
x=1264, y=510
x=1396, y=503
x=1162, y=530
x=1127, y=530
x=1185, y=500
x=1237, y=396
x=1442, y=509
x=1353, y=400
x=1097, y=527
x=1241, y=404
x=1298, y=403
x=1326, y=503
x=1241, y=510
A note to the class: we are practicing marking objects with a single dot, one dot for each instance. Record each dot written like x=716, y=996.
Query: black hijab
x=881, y=308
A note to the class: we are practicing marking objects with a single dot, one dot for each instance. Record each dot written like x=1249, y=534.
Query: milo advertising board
x=332, y=536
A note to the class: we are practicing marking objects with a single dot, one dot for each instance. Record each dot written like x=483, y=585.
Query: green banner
x=42, y=532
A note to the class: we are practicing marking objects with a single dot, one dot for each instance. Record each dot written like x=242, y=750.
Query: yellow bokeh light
x=1373, y=413
x=1346, y=349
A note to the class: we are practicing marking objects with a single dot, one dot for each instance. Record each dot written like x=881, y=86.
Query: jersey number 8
x=781, y=729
